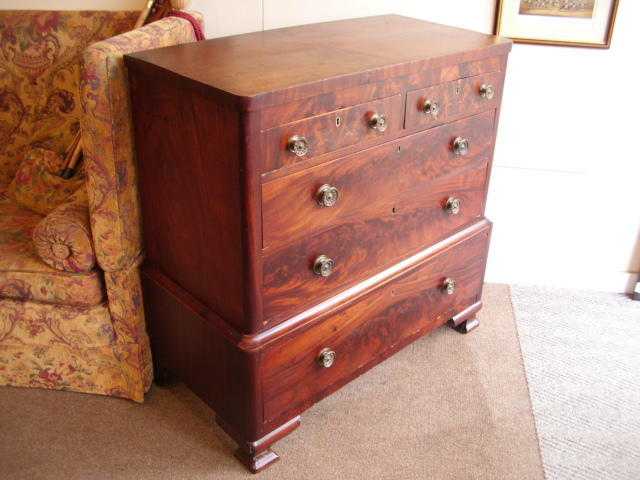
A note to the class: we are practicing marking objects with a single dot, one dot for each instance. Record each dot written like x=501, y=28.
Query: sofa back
x=108, y=139
x=39, y=77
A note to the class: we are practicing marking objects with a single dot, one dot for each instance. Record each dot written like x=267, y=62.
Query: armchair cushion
x=24, y=276
x=38, y=185
x=63, y=238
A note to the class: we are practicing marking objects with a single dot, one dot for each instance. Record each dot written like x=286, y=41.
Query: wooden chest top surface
x=296, y=62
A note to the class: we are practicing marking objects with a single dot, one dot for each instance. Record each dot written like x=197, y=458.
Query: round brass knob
x=298, y=145
x=460, y=146
x=323, y=266
x=326, y=357
x=449, y=286
x=327, y=195
x=453, y=205
x=429, y=107
x=378, y=122
x=487, y=91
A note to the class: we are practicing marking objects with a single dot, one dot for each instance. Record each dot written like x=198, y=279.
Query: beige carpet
x=584, y=378
x=447, y=407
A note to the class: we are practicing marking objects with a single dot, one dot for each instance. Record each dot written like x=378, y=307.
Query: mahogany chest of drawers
x=313, y=201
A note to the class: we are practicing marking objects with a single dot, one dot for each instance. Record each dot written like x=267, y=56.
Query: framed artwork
x=577, y=23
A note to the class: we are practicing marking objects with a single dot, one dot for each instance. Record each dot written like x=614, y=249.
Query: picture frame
x=572, y=23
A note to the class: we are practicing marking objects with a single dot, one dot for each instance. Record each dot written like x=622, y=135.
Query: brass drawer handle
x=378, y=122
x=430, y=107
x=487, y=91
x=326, y=357
x=298, y=145
x=327, y=195
x=460, y=146
x=449, y=286
x=453, y=205
x=323, y=266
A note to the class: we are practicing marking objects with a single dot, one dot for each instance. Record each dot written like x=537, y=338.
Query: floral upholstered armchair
x=71, y=314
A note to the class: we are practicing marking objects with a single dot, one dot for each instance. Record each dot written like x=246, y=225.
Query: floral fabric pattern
x=63, y=238
x=109, y=142
x=39, y=77
x=16, y=227
x=109, y=370
x=38, y=185
x=127, y=314
x=35, y=323
x=55, y=288
x=55, y=330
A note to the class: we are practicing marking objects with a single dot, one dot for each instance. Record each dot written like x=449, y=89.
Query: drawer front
x=370, y=182
x=314, y=136
x=369, y=330
x=448, y=101
x=416, y=219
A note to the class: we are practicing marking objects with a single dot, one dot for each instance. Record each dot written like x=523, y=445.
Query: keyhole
x=338, y=121
x=394, y=210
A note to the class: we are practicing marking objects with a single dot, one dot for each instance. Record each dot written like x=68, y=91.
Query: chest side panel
x=188, y=149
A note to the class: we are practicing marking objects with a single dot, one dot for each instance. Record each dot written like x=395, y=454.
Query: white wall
x=565, y=191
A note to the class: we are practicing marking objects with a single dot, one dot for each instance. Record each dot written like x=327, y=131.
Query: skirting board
x=618, y=282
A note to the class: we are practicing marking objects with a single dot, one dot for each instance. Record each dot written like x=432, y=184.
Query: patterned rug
x=582, y=359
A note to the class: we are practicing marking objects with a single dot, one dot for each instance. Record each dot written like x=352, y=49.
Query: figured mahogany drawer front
x=314, y=136
x=369, y=183
x=452, y=100
x=312, y=363
x=294, y=275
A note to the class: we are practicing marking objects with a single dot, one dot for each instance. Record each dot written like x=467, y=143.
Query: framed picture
x=577, y=23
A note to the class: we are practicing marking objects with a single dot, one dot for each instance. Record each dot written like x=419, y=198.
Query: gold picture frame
x=553, y=11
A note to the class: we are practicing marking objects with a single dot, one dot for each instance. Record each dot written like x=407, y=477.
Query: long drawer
x=296, y=371
x=370, y=182
x=359, y=247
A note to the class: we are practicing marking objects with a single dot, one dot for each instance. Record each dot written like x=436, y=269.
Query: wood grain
x=187, y=223
x=335, y=100
x=457, y=99
x=371, y=181
x=332, y=131
x=361, y=246
x=370, y=330
x=200, y=353
x=262, y=69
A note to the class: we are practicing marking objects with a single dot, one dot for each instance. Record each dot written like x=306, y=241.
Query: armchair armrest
x=63, y=238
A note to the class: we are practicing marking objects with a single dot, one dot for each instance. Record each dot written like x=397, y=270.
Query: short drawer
x=369, y=182
x=296, y=141
x=371, y=329
x=293, y=275
x=449, y=101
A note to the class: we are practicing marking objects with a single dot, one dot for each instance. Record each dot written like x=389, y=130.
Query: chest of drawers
x=313, y=201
